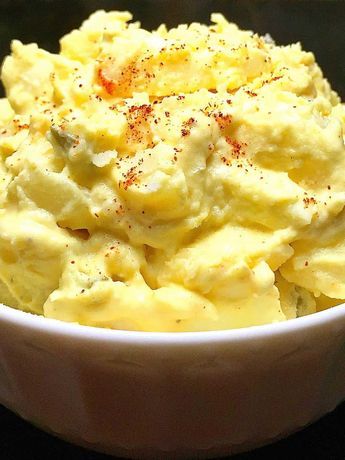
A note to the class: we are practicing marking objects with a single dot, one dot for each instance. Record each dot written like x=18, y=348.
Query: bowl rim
x=40, y=324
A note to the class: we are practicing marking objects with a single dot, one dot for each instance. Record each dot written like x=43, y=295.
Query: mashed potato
x=180, y=180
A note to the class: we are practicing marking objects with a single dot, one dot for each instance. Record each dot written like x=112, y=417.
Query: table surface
x=324, y=440
x=319, y=25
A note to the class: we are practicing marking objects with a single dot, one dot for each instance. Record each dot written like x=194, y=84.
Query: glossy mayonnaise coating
x=176, y=180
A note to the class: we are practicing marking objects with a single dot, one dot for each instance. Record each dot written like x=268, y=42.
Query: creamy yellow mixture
x=176, y=180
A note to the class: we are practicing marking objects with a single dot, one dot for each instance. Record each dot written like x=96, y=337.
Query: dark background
x=319, y=25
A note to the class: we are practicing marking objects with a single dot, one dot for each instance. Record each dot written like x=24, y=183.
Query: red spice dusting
x=186, y=126
x=20, y=126
x=237, y=147
x=266, y=82
x=23, y=126
x=223, y=120
x=108, y=85
x=307, y=201
x=138, y=123
x=225, y=160
x=143, y=110
x=190, y=121
x=251, y=93
x=131, y=177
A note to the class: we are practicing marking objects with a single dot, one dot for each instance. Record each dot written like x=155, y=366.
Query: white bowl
x=177, y=395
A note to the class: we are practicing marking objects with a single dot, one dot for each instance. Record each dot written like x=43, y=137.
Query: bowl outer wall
x=180, y=393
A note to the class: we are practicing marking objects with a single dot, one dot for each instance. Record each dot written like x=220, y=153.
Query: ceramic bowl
x=172, y=395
